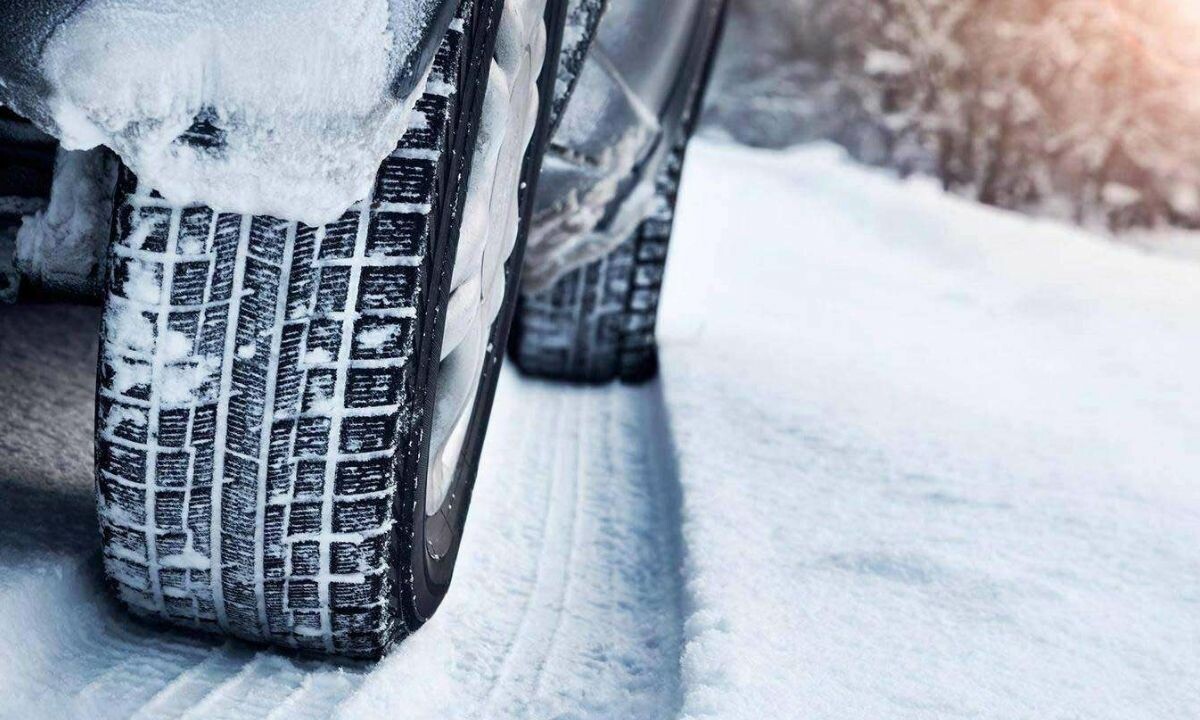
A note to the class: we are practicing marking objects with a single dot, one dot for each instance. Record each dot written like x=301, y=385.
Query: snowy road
x=909, y=458
x=574, y=607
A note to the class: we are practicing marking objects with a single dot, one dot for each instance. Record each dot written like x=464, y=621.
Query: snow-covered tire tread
x=279, y=357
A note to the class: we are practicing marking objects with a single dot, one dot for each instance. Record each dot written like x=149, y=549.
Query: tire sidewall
x=427, y=578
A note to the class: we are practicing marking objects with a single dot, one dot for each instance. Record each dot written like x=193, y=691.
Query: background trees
x=1088, y=109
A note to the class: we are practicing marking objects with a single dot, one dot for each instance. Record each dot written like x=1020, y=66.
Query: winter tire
x=276, y=400
x=596, y=323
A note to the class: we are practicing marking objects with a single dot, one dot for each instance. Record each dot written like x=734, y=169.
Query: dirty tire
x=597, y=322
x=266, y=391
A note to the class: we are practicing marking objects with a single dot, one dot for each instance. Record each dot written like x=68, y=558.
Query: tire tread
x=277, y=357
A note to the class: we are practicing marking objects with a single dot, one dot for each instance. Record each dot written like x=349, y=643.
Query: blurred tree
x=1088, y=109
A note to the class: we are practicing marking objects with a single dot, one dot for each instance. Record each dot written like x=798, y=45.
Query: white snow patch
x=119, y=414
x=189, y=559
x=176, y=346
x=181, y=382
x=1120, y=195
x=63, y=246
x=301, y=93
x=318, y=356
x=886, y=62
x=376, y=337
x=127, y=327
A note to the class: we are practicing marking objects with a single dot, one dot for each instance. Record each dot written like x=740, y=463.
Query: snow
x=886, y=62
x=1171, y=242
x=937, y=460
x=300, y=94
x=63, y=245
x=909, y=458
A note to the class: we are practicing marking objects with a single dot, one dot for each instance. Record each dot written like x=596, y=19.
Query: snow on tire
x=266, y=391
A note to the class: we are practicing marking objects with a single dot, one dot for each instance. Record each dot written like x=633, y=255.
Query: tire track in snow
x=567, y=597
x=68, y=650
x=112, y=694
x=191, y=686
x=526, y=657
x=259, y=686
x=629, y=551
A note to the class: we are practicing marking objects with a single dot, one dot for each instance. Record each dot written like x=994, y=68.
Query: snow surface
x=301, y=94
x=909, y=458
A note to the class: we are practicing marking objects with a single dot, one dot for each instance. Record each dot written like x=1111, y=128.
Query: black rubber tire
x=597, y=323
x=307, y=456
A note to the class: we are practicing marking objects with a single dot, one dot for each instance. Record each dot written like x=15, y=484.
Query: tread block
x=324, y=334
x=340, y=237
x=333, y=288
x=360, y=515
x=304, y=518
x=310, y=481
x=358, y=477
x=388, y=287
x=367, y=433
x=382, y=337
x=303, y=594
x=395, y=234
x=371, y=387
x=306, y=559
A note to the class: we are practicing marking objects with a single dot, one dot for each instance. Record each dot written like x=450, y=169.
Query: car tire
x=596, y=323
x=268, y=390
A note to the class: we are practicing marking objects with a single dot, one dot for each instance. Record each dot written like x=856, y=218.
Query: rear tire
x=597, y=322
x=267, y=389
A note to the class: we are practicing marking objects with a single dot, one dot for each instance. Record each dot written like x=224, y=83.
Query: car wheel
x=289, y=418
x=596, y=323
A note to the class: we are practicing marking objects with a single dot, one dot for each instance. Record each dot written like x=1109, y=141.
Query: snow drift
x=271, y=107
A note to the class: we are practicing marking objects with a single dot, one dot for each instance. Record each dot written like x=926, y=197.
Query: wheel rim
x=488, y=235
